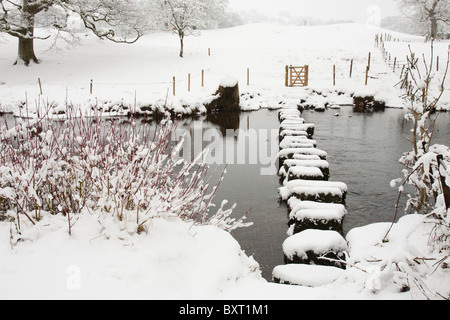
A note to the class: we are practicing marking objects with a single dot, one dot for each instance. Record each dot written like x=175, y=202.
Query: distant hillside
x=399, y=24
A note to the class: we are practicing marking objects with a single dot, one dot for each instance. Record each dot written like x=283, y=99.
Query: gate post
x=287, y=77
x=306, y=75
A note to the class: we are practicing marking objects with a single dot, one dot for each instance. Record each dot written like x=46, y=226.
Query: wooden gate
x=297, y=76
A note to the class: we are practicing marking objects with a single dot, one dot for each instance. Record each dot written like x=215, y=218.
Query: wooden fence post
x=306, y=76
x=395, y=63
x=40, y=85
x=189, y=82
x=367, y=74
x=91, y=87
x=174, y=86
x=248, y=76
x=334, y=75
x=370, y=58
x=203, y=78
x=437, y=63
x=287, y=77
x=351, y=68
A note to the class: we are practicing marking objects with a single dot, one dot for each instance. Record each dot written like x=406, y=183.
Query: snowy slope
x=143, y=73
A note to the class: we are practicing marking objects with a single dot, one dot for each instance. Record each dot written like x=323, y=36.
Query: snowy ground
x=175, y=260
x=142, y=73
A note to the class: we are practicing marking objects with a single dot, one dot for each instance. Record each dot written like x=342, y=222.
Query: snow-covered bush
x=426, y=164
x=125, y=172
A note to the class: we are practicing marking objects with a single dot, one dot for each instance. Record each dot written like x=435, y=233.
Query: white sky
x=356, y=10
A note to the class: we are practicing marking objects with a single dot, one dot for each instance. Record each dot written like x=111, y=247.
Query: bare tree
x=186, y=17
x=429, y=14
x=115, y=20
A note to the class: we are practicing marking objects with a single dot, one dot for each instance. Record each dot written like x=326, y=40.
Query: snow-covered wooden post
x=189, y=82
x=367, y=74
x=248, y=76
x=334, y=75
x=91, y=86
x=369, y=59
x=287, y=76
x=40, y=85
x=174, y=86
x=306, y=75
x=351, y=68
x=203, y=78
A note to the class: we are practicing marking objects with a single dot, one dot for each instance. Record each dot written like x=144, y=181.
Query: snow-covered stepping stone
x=289, y=153
x=300, y=144
x=311, y=246
x=308, y=127
x=288, y=113
x=292, y=122
x=310, y=190
x=294, y=142
x=305, y=173
x=293, y=133
x=306, y=275
x=315, y=215
x=290, y=165
x=288, y=117
x=282, y=172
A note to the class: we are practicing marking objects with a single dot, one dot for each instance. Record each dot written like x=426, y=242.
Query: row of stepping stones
x=314, y=252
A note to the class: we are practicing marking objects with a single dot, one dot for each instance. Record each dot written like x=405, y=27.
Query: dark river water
x=363, y=152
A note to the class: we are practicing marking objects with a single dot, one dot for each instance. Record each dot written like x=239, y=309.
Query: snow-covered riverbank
x=173, y=259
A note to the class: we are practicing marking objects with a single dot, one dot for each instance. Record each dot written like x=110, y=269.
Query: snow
x=318, y=241
x=291, y=163
x=286, y=153
x=300, y=171
x=319, y=214
x=288, y=142
x=174, y=259
x=53, y=265
x=228, y=82
x=312, y=188
x=307, y=275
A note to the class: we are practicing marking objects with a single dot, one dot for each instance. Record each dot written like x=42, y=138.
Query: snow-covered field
x=175, y=260
x=142, y=74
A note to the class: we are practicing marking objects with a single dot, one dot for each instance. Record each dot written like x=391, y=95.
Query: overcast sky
x=356, y=10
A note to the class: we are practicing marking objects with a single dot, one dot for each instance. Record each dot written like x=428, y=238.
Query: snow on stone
x=317, y=241
x=293, y=133
x=311, y=192
x=289, y=122
x=292, y=163
x=300, y=171
x=306, y=275
x=317, y=214
x=299, y=126
x=293, y=145
x=311, y=187
x=290, y=140
x=288, y=117
x=310, y=209
x=291, y=152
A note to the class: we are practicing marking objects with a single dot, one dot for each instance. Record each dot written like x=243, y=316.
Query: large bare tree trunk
x=26, y=53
